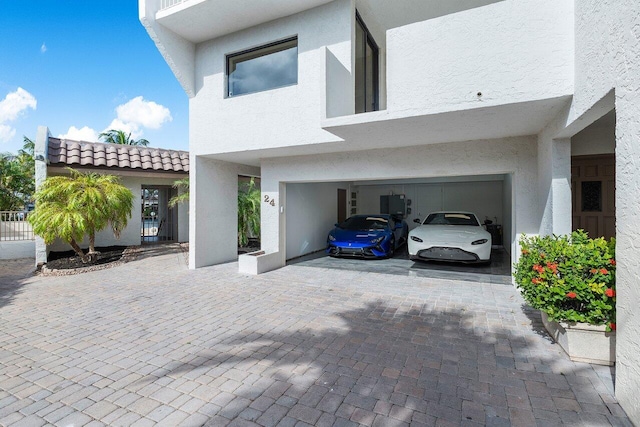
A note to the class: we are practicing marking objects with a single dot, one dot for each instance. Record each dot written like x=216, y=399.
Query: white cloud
x=43, y=48
x=6, y=133
x=11, y=107
x=132, y=128
x=83, y=134
x=143, y=113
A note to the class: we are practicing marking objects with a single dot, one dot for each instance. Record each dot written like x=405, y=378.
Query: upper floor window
x=366, y=69
x=263, y=68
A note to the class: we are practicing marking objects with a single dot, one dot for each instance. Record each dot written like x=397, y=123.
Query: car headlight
x=479, y=242
x=416, y=239
x=333, y=239
x=377, y=240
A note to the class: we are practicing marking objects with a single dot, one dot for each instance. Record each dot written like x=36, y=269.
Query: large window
x=366, y=69
x=263, y=68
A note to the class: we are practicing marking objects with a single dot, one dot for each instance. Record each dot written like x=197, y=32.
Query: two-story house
x=524, y=111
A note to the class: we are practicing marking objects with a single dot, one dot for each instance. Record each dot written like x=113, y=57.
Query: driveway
x=152, y=342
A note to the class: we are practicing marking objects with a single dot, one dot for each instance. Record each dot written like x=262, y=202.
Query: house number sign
x=269, y=200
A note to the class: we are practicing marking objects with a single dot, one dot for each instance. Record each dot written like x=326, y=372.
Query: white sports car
x=450, y=236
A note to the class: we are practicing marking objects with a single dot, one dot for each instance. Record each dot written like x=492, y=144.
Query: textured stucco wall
x=130, y=236
x=608, y=57
x=510, y=155
x=594, y=140
x=312, y=209
x=511, y=51
x=213, y=210
x=280, y=117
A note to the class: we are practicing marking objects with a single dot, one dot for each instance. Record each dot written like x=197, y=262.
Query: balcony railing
x=14, y=226
x=169, y=3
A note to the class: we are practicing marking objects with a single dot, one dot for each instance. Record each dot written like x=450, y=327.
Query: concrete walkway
x=152, y=342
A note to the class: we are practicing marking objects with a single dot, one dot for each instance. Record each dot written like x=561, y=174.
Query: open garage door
x=312, y=207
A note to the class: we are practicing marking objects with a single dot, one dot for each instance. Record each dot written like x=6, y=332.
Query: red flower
x=594, y=270
x=612, y=261
x=604, y=271
x=571, y=295
x=612, y=326
x=538, y=268
x=610, y=293
x=536, y=280
x=525, y=252
x=552, y=266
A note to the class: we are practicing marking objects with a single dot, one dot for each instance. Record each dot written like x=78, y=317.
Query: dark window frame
x=228, y=58
x=369, y=40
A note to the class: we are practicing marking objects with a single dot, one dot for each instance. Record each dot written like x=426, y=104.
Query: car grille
x=447, y=254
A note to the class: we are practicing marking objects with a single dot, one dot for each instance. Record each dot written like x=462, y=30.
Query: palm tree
x=248, y=212
x=114, y=136
x=182, y=185
x=70, y=207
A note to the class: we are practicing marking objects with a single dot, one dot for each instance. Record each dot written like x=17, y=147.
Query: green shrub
x=571, y=278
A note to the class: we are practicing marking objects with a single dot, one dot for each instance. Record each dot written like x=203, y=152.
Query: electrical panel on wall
x=394, y=204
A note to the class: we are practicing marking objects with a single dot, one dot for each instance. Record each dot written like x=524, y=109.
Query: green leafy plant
x=182, y=185
x=570, y=278
x=70, y=207
x=248, y=211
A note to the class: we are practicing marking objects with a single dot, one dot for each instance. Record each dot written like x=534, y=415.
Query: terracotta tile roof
x=98, y=154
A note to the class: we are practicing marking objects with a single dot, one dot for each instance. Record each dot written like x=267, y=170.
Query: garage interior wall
x=507, y=215
x=312, y=211
x=484, y=198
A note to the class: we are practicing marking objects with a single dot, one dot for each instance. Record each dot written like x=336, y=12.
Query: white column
x=41, y=156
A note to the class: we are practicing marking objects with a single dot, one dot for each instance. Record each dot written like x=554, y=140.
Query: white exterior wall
x=17, y=249
x=594, y=140
x=608, y=62
x=501, y=50
x=130, y=236
x=213, y=210
x=279, y=117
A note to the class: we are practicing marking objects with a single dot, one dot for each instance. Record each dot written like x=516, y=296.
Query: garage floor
x=499, y=272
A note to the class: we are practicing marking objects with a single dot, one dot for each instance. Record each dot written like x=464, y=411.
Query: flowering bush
x=571, y=278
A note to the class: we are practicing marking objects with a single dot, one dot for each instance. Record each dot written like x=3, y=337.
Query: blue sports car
x=367, y=236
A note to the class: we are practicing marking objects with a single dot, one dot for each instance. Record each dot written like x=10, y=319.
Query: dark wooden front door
x=593, y=180
x=342, y=205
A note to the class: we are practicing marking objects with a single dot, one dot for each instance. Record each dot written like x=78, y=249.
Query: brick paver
x=151, y=342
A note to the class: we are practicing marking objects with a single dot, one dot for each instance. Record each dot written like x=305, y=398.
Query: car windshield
x=365, y=223
x=451, y=218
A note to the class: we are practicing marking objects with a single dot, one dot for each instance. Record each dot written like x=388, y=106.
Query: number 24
x=269, y=200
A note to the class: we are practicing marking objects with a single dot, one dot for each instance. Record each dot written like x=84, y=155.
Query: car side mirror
x=417, y=221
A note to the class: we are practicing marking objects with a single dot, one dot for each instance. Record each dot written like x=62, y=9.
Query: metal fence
x=168, y=3
x=14, y=226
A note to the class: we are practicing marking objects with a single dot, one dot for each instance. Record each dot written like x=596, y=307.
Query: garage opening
x=313, y=209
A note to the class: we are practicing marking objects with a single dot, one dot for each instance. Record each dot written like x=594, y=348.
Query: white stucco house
x=147, y=171
x=524, y=111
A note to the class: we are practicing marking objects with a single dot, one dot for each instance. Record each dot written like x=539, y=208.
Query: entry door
x=342, y=205
x=159, y=222
x=593, y=192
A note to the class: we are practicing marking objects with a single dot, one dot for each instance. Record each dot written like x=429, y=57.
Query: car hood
x=450, y=234
x=357, y=236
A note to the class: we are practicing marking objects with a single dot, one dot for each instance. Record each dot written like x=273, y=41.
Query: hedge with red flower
x=571, y=278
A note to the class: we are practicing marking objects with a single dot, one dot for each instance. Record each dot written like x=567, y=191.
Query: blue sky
x=88, y=65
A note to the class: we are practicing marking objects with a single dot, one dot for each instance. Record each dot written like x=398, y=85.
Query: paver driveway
x=152, y=342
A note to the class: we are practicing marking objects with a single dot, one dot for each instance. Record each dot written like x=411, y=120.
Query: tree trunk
x=92, y=243
x=79, y=251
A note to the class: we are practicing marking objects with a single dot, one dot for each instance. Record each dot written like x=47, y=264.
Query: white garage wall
x=485, y=199
x=507, y=222
x=312, y=211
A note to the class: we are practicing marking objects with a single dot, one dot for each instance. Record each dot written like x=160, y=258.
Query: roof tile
x=98, y=154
